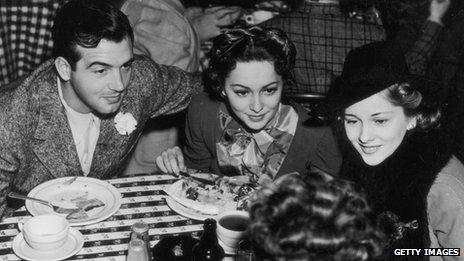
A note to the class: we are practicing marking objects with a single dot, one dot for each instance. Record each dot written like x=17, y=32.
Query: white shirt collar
x=85, y=129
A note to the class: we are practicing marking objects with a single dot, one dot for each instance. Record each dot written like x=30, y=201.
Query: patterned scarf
x=258, y=155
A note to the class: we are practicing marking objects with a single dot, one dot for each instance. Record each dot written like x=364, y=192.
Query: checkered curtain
x=25, y=35
x=323, y=36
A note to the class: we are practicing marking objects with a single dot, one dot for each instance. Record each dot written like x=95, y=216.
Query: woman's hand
x=438, y=9
x=171, y=161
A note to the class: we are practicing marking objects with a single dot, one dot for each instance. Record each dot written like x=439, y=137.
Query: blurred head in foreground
x=313, y=219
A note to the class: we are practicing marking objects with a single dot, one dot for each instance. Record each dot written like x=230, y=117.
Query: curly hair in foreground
x=312, y=219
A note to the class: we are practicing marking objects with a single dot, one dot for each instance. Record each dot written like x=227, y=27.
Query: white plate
x=174, y=191
x=213, y=208
x=186, y=211
x=61, y=195
x=73, y=244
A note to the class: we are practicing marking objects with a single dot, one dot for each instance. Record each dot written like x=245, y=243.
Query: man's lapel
x=103, y=155
x=54, y=144
x=112, y=147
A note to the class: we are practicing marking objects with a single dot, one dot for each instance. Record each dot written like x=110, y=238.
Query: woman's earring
x=411, y=126
x=412, y=123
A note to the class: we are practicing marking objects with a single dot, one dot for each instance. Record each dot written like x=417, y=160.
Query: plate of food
x=85, y=201
x=197, y=200
x=186, y=211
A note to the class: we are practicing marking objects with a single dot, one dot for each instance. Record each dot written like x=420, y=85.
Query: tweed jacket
x=445, y=208
x=36, y=142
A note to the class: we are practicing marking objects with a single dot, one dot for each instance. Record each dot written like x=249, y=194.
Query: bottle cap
x=140, y=227
x=209, y=223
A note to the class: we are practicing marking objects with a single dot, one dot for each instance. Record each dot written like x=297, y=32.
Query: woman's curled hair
x=248, y=45
x=419, y=98
x=414, y=104
x=312, y=219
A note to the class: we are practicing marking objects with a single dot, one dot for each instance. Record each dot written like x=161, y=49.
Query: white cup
x=45, y=232
x=258, y=17
x=232, y=227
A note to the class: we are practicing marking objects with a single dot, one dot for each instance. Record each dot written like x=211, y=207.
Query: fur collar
x=401, y=184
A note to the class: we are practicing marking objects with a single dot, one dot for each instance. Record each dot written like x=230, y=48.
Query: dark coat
x=311, y=146
x=400, y=185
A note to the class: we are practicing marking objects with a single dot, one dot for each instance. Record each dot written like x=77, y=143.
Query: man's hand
x=438, y=9
x=171, y=161
x=209, y=23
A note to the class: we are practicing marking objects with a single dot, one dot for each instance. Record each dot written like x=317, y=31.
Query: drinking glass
x=244, y=251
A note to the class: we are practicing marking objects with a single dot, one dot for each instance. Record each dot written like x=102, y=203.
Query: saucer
x=228, y=250
x=72, y=245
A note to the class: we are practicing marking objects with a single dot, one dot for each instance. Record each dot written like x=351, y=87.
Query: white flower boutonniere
x=125, y=123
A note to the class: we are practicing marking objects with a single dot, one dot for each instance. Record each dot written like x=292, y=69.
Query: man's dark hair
x=86, y=23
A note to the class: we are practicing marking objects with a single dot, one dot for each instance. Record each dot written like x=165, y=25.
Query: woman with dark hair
x=312, y=219
x=388, y=124
x=245, y=127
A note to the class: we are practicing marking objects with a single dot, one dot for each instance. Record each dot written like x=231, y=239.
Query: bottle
x=208, y=249
x=137, y=250
x=140, y=231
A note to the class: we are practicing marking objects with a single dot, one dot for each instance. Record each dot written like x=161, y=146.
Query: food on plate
x=78, y=213
x=83, y=204
x=225, y=194
x=87, y=204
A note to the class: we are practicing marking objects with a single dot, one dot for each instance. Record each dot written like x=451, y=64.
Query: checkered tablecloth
x=142, y=199
x=25, y=35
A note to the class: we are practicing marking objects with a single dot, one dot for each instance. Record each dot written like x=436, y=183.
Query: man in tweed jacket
x=82, y=112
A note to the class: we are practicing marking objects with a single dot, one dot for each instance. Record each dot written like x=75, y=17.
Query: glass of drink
x=244, y=251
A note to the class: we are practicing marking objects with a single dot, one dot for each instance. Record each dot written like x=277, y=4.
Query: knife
x=204, y=181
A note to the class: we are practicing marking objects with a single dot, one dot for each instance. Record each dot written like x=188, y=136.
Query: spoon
x=55, y=208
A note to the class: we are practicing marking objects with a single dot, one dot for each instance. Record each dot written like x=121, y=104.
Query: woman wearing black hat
x=387, y=123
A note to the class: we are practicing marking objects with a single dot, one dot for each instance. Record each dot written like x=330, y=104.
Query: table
x=142, y=199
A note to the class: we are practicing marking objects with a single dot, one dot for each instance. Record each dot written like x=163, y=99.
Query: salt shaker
x=140, y=231
x=137, y=251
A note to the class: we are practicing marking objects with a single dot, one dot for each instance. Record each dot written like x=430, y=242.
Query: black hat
x=368, y=70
